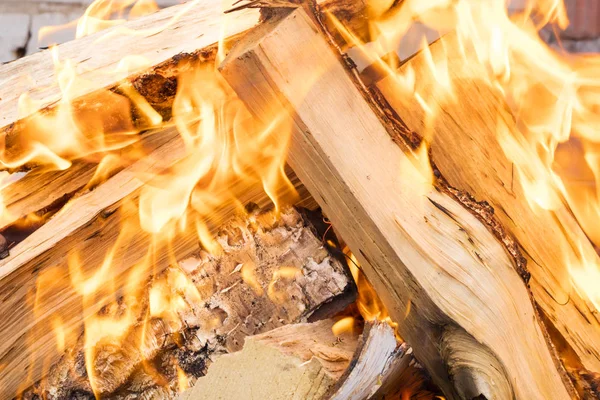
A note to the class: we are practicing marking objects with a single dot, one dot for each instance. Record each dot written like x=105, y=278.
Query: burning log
x=128, y=86
x=471, y=320
x=272, y=271
x=46, y=275
x=466, y=149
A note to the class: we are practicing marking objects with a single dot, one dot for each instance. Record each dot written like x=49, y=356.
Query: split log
x=30, y=200
x=465, y=148
x=416, y=242
x=186, y=29
x=227, y=297
x=307, y=361
x=89, y=226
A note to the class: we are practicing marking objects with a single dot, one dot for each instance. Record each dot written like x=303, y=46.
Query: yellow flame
x=100, y=15
x=182, y=380
x=553, y=97
x=343, y=325
x=283, y=274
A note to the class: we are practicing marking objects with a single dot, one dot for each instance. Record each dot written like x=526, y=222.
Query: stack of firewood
x=474, y=279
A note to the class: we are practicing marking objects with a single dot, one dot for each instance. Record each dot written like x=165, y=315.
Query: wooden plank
x=465, y=148
x=417, y=244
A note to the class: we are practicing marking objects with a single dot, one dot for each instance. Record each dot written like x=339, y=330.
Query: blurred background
x=21, y=20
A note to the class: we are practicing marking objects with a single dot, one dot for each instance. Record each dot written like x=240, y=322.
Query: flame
x=182, y=380
x=281, y=277
x=369, y=304
x=554, y=97
x=343, y=325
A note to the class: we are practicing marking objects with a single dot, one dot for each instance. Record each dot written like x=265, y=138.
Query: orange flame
x=100, y=15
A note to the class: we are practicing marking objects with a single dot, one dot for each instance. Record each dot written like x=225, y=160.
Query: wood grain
x=88, y=226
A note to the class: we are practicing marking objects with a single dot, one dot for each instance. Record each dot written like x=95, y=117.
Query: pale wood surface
x=465, y=148
x=379, y=360
x=415, y=243
x=157, y=37
x=41, y=188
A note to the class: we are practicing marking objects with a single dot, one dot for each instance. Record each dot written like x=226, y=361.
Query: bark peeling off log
x=229, y=297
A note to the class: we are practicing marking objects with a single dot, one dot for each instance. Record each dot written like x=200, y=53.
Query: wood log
x=30, y=343
x=159, y=37
x=89, y=226
x=227, y=297
x=417, y=243
x=466, y=151
x=159, y=45
x=377, y=368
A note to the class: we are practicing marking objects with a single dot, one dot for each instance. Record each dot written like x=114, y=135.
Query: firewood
x=379, y=365
x=88, y=226
x=30, y=343
x=186, y=29
x=227, y=297
x=41, y=191
x=466, y=151
x=307, y=361
x=417, y=243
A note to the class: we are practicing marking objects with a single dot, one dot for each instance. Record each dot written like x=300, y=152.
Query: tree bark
x=417, y=242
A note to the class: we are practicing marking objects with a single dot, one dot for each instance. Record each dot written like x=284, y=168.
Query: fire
x=225, y=154
x=554, y=97
x=368, y=304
